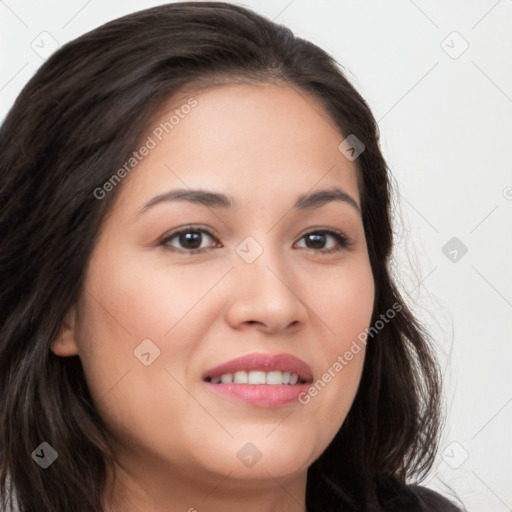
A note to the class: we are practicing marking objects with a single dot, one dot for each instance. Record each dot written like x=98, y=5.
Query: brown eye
x=318, y=240
x=190, y=240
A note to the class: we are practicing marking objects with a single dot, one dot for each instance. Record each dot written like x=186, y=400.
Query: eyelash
x=343, y=241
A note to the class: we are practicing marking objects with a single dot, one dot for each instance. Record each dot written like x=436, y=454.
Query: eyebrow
x=219, y=200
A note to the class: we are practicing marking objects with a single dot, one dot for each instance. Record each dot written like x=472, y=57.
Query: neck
x=153, y=488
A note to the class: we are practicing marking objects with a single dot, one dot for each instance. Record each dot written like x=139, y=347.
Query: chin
x=260, y=457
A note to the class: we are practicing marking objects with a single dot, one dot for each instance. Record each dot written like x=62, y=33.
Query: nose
x=266, y=294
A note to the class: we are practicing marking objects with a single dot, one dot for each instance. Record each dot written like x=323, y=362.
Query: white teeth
x=274, y=378
x=257, y=377
x=240, y=378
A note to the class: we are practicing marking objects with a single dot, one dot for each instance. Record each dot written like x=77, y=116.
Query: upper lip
x=265, y=363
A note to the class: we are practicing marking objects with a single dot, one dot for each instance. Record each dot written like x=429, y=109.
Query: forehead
x=242, y=138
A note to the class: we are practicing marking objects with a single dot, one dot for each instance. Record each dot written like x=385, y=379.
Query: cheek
x=344, y=302
x=346, y=306
x=152, y=300
x=126, y=303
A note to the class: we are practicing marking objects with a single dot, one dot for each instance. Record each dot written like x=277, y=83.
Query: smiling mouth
x=256, y=377
x=260, y=380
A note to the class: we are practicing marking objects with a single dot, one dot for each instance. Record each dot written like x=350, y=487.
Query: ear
x=65, y=344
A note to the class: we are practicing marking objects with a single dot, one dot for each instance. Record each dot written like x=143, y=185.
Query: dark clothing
x=392, y=496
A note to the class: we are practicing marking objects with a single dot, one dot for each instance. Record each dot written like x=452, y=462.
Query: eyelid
x=191, y=227
x=328, y=230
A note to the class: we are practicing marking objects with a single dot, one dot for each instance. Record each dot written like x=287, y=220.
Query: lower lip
x=261, y=395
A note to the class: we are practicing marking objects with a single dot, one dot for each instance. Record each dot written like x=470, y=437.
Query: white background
x=446, y=125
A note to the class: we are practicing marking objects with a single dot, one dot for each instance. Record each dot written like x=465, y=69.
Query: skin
x=175, y=440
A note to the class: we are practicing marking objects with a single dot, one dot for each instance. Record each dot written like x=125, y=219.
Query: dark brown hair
x=77, y=121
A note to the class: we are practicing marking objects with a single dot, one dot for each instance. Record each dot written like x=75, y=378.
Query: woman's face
x=159, y=317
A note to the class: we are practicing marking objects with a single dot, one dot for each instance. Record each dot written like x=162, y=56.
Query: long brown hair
x=76, y=122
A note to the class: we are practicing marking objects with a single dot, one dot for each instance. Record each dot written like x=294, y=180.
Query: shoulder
x=399, y=497
x=435, y=501
x=385, y=494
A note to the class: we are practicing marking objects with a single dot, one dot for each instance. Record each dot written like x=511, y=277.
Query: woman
x=197, y=310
